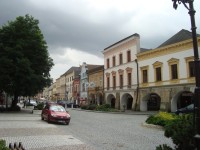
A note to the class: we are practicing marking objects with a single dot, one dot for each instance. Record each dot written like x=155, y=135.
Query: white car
x=32, y=102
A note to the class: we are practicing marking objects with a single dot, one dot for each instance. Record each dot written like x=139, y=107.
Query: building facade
x=69, y=78
x=166, y=74
x=95, y=87
x=76, y=90
x=120, y=74
x=84, y=83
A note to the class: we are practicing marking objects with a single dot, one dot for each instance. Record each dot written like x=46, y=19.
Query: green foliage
x=40, y=106
x=3, y=145
x=104, y=107
x=182, y=132
x=162, y=118
x=179, y=128
x=84, y=106
x=91, y=107
x=163, y=147
x=24, y=60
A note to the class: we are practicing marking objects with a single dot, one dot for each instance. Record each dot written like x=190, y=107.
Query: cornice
x=173, y=48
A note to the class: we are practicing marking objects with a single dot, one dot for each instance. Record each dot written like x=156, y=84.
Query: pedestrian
x=24, y=103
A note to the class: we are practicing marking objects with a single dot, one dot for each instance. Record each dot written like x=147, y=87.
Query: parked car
x=55, y=113
x=185, y=110
x=61, y=102
x=31, y=103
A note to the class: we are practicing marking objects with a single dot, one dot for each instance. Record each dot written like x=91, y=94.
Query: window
x=191, y=69
x=129, y=80
x=113, y=61
x=157, y=71
x=128, y=56
x=108, y=63
x=121, y=81
x=114, y=82
x=174, y=72
x=120, y=59
x=108, y=83
x=173, y=69
x=145, y=76
x=158, y=74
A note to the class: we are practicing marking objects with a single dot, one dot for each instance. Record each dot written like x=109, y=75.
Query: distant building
x=95, y=87
x=69, y=76
x=84, y=81
x=76, y=89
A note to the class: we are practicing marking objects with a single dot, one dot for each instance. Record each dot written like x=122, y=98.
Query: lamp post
x=189, y=5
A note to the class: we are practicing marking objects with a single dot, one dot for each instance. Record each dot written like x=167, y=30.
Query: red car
x=55, y=113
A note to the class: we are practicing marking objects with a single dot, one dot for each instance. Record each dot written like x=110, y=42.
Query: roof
x=182, y=35
x=75, y=69
x=101, y=67
x=90, y=67
x=144, y=49
x=122, y=40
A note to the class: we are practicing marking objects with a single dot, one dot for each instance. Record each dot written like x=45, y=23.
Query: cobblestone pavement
x=36, y=134
x=86, y=131
x=116, y=131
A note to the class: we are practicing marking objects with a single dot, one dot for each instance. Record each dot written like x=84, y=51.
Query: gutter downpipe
x=137, y=90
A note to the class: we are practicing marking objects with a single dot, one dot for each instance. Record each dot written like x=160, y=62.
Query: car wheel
x=42, y=118
x=67, y=123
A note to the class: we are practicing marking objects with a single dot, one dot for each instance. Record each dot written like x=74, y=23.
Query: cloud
x=72, y=57
x=89, y=26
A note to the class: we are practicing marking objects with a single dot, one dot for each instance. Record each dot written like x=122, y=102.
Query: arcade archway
x=100, y=98
x=111, y=100
x=150, y=102
x=181, y=99
x=127, y=101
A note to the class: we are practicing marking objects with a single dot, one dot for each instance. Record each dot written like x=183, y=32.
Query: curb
x=125, y=113
x=144, y=124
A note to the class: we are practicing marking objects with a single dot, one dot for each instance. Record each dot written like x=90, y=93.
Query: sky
x=78, y=31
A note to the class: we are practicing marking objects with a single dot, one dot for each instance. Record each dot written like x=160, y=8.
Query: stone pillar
x=117, y=103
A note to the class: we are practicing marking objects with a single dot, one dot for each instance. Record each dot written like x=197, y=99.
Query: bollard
x=16, y=146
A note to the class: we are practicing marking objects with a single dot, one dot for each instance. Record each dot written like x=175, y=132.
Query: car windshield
x=57, y=108
x=191, y=106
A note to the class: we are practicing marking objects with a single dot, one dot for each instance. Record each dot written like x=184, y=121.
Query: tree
x=24, y=59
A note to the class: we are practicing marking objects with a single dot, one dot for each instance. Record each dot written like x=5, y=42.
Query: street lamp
x=189, y=5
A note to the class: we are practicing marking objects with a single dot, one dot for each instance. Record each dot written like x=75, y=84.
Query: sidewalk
x=35, y=134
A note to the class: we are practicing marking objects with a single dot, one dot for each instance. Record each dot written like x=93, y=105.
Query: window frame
x=128, y=56
x=120, y=59
x=114, y=61
x=172, y=62
x=157, y=65
x=142, y=69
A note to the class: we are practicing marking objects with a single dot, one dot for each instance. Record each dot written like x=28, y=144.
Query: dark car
x=185, y=110
x=55, y=113
x=61, y=102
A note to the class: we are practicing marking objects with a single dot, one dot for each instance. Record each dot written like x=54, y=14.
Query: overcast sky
x=77, y=31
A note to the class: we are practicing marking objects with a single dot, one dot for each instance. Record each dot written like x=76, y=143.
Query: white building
x=120, y=74
x=166, y=74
